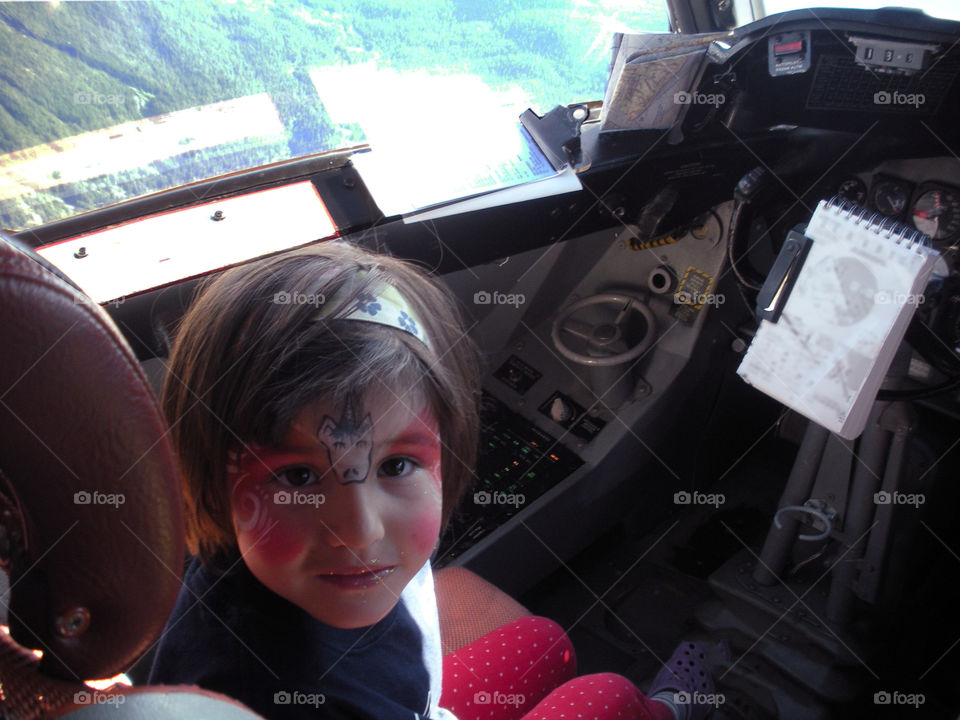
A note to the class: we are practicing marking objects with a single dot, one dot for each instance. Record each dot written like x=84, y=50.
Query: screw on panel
x=218, y=216
x=80, y=253
x=74, y=622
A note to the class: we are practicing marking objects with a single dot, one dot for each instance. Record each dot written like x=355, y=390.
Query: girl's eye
x=397, y=467
x=297, y=476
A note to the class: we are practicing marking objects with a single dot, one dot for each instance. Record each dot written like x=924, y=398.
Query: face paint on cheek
x=430, y=460
x=433, y=462
x=433, y=466
x=263, y=527
x=426, y=451
x=247, y=498
x=279, y=544
x=247, y=510
x=438, y=479
x=249, y=503
x=426, y=524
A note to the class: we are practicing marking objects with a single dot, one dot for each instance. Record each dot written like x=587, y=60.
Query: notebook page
x=842, y=323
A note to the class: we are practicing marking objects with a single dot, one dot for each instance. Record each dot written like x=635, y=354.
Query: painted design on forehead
x=349, y=443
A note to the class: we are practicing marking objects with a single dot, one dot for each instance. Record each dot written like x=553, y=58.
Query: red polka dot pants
x=526, y=669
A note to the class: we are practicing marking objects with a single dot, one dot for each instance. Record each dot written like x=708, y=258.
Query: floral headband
x=389, y=308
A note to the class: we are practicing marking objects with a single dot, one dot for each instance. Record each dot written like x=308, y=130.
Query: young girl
x=323, y=404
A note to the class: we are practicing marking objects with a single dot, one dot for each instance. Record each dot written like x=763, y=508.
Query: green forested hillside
x=71, y=67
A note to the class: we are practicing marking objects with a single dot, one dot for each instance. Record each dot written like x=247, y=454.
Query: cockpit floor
x=629, y=599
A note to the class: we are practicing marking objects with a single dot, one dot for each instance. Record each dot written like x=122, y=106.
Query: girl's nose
x=353, y=517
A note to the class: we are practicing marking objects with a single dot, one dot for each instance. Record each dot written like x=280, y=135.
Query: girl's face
x=341, y=516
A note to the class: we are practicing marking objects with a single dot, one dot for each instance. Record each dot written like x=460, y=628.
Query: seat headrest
x=91, y=527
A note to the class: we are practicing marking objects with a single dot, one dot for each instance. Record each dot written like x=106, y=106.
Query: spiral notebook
x=829, y=350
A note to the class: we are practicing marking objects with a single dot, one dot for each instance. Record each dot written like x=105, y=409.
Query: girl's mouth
x=359, y=580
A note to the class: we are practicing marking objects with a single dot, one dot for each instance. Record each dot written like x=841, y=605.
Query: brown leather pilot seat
x=91, y=532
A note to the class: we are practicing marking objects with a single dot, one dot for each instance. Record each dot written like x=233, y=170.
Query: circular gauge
x=937, y=213
x=889, y=197
x=853, y=189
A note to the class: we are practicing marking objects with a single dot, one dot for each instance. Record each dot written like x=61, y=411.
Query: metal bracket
x=558, y=134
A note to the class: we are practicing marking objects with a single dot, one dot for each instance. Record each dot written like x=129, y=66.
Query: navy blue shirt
x=232, y=635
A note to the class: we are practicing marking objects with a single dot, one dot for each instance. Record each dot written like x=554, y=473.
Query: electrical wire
x=731, y=241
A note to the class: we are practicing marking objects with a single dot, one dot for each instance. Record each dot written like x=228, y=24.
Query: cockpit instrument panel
x=936, y=211
x=890, y=196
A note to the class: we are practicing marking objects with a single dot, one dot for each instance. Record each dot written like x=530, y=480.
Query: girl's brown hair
x=251, y=353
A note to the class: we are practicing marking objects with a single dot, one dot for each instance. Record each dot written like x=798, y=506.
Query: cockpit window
x=105, y=101
x=947, y=9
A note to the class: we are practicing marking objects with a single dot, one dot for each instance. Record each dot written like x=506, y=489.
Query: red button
x=788, y=48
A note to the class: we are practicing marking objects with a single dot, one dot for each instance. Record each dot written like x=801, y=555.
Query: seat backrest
x=91, y=527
